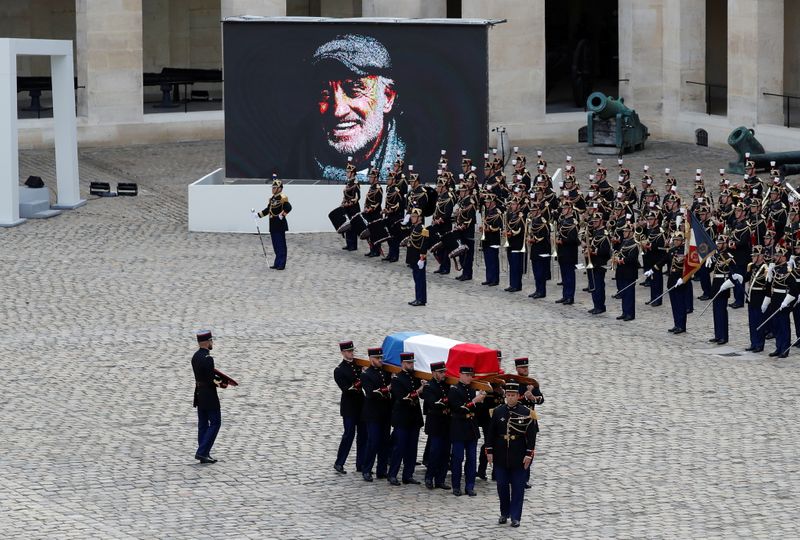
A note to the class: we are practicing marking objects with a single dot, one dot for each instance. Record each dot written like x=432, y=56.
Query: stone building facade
x=667, y=51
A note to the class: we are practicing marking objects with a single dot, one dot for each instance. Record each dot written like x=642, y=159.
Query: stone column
x=641, y=27
x=265, y=8
x=516, y=63
x=414, y=9
x=755, y=61
x=109, y=45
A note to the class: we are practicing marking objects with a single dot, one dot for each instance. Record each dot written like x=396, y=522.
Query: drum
x=338, y=217
x=358, y=224
x=377, y=231
x=396, y=229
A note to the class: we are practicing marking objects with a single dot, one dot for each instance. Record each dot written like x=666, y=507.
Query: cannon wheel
x=581, y=72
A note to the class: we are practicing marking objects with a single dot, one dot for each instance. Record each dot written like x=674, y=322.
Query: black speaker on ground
x=101, y=189
x=34, y=182
x=127, y=189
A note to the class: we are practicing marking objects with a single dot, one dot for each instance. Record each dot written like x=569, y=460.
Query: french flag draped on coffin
x=428, y=348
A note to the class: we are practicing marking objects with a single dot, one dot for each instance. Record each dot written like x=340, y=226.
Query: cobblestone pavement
x=644, y=434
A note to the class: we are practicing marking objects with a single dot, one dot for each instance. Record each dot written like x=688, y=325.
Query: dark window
x=701, y=136
x=453, y=9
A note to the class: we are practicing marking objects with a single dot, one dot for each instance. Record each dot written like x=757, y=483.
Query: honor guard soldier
x=437, y=426
x=598, y=252
x=406, y=420
x=704, y=273
x=758, y=301
x=400, y=176
x=464, y=222
x=416, y=257
x=529, y=395
x=377, y=414
x=483, y=414
x=209, y=415
x=515, y=249
x=442, y=223
x=463, y=401
x=538, y=241
x=783, y=292
x=393, y=210
x=351, y=201
x=277, y=208
x=676, y=285
x=722, y=280
x=418, y=196
x=372, y=208
x=626, y=261
x=491, y=229
x=653, y=250
x=348, y=378
x=739, y=246
x=567, y=250
x=510, y=448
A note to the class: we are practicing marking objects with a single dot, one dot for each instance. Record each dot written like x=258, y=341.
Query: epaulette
x=284, y=198
x=425, y=232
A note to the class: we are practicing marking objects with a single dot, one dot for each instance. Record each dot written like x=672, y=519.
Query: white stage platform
x=216, y=206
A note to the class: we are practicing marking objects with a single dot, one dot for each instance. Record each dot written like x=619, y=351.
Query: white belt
x=757, y=288
x=779, y=290
x=720, y=276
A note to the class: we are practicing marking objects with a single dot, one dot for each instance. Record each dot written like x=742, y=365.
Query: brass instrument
x=504, y=239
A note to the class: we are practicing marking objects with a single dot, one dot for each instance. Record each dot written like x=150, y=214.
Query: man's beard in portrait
x=361, y=134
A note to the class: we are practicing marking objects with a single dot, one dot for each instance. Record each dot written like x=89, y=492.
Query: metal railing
x=789, y=99
x=708, y=86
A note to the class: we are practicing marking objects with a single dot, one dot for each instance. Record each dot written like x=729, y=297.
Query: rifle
x=426, y=376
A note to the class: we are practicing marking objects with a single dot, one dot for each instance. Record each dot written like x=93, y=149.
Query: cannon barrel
x=790, y=170
x=605, y=107
x=743, y=141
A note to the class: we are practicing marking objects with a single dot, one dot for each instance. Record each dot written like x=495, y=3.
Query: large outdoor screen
x=302, y=97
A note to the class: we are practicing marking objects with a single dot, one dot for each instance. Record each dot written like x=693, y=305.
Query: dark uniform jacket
x=372, y=204
x=757, y=278
x=463, y=424
x=720, y=271
x=417, y=244
x=348, y=378
x=406, y=411
x=205, y=391
x=277, y=203
x=740, y=236
x=629, y=253
x=436, y=408
x=377, y=398
x=492, y=227
x=567, y=232
x=515, y=222
x=539, y=232
x=511, y=436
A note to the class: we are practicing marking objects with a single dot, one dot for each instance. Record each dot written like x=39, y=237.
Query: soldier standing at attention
x=437, y=427
x=348, y=378
x=464, y=430
x=510, y=448
x=276, y=210
x=416, y=256
x=209, y=415
x=406, y=420
x=377, y=415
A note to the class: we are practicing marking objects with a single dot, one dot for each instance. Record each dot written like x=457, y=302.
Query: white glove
x=406, y=218
x=253, y=212
x=790, y=263
x=770, y=271
x=737, y=278
x=280, y=216
x=420, y=264
x=727, y=284
x=679, y=282
x=709, y=262
x=786, y=301
x=648, y=273
x=765, y=304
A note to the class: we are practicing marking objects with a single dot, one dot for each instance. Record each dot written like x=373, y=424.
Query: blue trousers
x=597, y=284
x=420, y=283
x=568, y=280
x=511, y=490
x=438, y=457
x=677, y=299
x=515, y=260
x=754, y=320
x=689, y=290
x=444, y=260
x=796, y=318
x=704, y=275
x=540, y=266
x=656, y=285
x=782, y=330
x=720, y=308
x=378, y=446
x=208, y=424
x=738, y=288
x=279, y=247
x=394, y=248
x=491, y=258
x=628, y=297
x=404, y=449
x=468, y=259
x=464, y=450
x=353, y=429
x=351, y=240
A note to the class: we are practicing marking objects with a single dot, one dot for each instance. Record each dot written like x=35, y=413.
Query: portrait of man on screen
x=355, y=113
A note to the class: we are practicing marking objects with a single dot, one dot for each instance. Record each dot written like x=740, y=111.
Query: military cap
x=739, y=206
x=769, y=234
x=346, y=346
x=407, y=357
x=780, y=251
x=437, y=366
x=416, y=211
x=521, y=362
x=652, y=215
x=277, y=183
x=203, y=335
x=722, y=239
x=511, y=386
x=414, y=176
x=375, y=351
x=626, y=227
x=467, y=369
x=758, y=250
